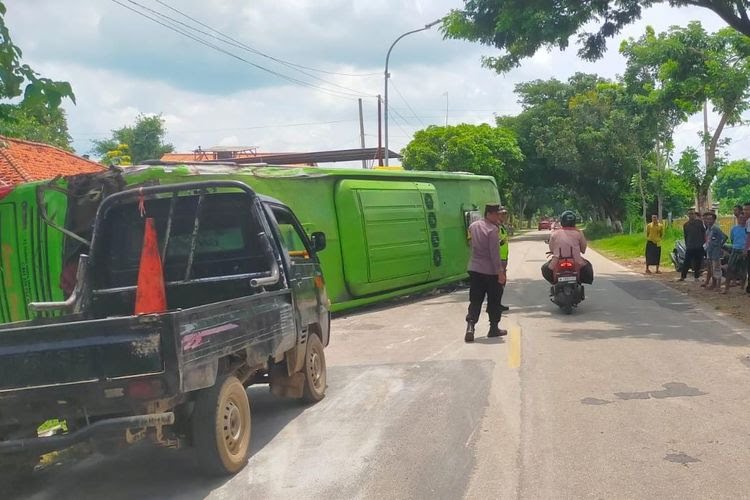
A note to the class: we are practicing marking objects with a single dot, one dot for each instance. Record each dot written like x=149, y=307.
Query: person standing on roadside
x=736, y=266
x=504, y=245
x=746, y=211
x=715, y=239
x=737, y=211
x=695, y=236
x=654, y=235
x=486, y=273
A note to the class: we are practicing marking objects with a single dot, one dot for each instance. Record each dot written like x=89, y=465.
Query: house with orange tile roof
x=26, y=161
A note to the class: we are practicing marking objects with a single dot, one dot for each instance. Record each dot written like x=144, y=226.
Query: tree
x=18, y=79
x=37, y=116
x=579, y=138
x=479, y=149
x=675, y=73
x=38, y=123
x=521, y=28
x=530, y=189
x=118, y=155
x=660, y=116
x=689, y=168
x=732, y=185
x=669, y=191
x=143, y=141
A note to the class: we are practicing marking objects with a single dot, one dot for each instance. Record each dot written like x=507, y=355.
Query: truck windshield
x=226, y=241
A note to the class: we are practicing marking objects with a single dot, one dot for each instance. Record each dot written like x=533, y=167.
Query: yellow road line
x=514, y=347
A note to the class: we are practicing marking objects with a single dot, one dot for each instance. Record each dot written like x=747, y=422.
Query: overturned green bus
x=389, y=233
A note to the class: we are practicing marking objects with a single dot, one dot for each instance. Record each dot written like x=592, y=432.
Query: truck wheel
x=315, y=371
x=221, y=427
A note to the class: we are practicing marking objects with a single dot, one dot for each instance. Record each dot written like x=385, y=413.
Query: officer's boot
x=495, y=331
x=469, y=337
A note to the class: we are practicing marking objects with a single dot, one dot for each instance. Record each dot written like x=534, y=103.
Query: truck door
x=303, y=267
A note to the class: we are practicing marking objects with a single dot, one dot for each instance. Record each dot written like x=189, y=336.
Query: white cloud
x=121, y=65
x=232, y=140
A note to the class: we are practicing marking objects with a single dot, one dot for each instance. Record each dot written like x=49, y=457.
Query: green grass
x=633, y=246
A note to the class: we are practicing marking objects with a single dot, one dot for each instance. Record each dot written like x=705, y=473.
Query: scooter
x=566, y=290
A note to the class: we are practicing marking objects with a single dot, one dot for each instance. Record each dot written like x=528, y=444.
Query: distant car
x=544, y=224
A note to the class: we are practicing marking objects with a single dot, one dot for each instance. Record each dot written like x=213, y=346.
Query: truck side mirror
x=318, y=240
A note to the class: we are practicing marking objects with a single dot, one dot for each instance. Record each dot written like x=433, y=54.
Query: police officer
x=486, y=273
x=504, y=244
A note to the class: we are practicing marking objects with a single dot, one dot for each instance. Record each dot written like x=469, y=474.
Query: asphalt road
x=638, y=394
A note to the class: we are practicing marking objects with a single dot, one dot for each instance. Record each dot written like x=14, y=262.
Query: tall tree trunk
x=644, y=204
x=660, y=205
x=659, y=177
x=711, y=166
x=702, y=200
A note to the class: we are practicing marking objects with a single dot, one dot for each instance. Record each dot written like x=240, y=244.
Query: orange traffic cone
x=150, y=296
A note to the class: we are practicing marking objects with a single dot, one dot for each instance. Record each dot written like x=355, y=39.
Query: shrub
x=597, y=230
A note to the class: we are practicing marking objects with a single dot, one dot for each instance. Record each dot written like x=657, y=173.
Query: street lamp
x=387, y=75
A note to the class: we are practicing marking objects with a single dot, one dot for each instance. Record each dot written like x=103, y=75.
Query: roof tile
x=25, y=161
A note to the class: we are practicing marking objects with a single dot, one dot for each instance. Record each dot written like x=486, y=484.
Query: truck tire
x=221, y=427
x=315, y=371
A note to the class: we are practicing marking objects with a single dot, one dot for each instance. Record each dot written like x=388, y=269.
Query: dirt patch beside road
x=736, y=303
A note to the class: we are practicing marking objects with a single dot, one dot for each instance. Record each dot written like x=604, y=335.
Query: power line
x=231, y=41
x=289, y=63
x=401, y=118
x=398, y=124
x=473, y=110
x=333, y=93
x=257, y=127
x=397, y=113
x=356, y=93
x=407, y=104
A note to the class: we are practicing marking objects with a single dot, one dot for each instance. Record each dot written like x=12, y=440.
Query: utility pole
x=706, y=147
x=705, y=131
x=362, y=131
x=446, y=108
x=380, y=133
x=388, y=75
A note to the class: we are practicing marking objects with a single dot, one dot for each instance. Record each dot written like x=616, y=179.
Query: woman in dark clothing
x=694, y=232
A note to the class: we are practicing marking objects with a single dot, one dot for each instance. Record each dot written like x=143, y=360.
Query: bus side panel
x=384, y=235
x=30, y=252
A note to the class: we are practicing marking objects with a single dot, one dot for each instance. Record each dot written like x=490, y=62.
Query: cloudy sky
x=289, y=77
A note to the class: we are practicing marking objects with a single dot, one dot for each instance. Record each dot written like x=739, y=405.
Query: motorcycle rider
x=568, y=242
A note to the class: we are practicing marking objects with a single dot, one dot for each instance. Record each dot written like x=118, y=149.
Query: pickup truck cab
x=245, y=304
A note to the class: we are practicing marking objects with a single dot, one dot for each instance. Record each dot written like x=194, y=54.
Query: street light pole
x=387, y=75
